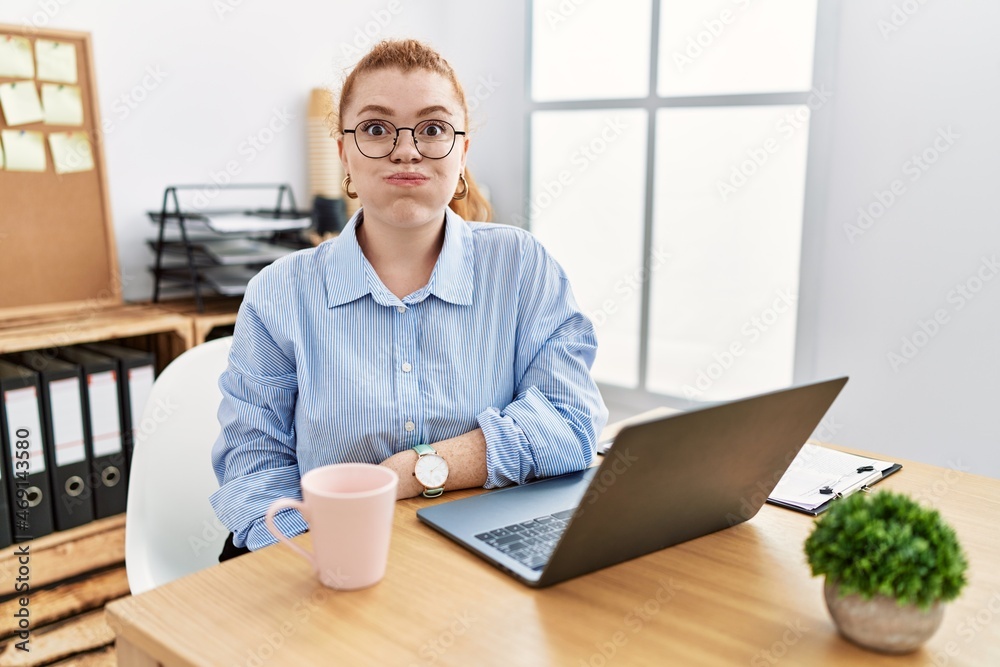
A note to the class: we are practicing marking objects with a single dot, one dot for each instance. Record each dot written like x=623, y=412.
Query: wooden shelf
x=170, y=333
x=66, y=554
x=73, y=574
x=217, y=312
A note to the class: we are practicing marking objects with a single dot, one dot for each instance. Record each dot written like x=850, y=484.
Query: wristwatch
x=431, y=470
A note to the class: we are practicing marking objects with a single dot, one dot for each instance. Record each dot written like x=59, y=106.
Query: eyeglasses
x=376, y=139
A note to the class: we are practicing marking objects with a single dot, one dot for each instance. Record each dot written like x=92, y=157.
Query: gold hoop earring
x=465, y=188
x=347, y=188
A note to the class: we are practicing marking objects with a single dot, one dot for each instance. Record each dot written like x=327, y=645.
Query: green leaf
x=887, y=544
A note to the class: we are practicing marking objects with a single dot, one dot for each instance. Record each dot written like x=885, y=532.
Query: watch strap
x=421, y=450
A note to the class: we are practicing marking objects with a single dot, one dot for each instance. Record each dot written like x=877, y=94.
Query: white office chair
x=170, y=527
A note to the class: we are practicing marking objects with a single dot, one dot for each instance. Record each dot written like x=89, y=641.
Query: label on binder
x=67, y=421
x=140, y=386
x=105, y=423
x=23, y=415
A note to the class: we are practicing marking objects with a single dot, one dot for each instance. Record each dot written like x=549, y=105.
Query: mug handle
x=277, y=506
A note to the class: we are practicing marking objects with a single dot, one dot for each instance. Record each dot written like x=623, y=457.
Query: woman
x=412, y=336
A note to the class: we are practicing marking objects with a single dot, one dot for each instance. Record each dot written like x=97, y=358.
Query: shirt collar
x=349, y=275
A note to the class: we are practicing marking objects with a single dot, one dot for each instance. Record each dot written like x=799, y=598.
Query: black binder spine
x=6, y=516
x=135, y=379
x=102, y=433
x=28, y=486
x=66, y=452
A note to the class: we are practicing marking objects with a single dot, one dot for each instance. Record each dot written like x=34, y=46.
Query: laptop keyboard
x=530, y=542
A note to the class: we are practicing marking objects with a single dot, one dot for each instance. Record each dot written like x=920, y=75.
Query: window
x=667, y=169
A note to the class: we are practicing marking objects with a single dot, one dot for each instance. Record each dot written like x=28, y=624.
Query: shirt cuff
x=242, y=502
x=527, y=440
x=257, y=536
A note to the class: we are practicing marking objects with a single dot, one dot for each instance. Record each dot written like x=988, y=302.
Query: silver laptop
x=661, y=483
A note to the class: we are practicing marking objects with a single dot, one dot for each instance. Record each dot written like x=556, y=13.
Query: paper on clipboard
x=816, y=467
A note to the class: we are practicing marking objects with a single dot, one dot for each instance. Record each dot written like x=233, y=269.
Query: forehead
x=405, y=94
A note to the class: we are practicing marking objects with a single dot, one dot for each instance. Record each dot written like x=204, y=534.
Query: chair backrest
x=170, y=527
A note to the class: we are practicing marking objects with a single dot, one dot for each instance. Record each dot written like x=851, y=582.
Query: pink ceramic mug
x=349, y=508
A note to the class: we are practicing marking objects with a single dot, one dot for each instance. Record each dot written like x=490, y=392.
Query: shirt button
x=409, y=426
x=407, y=367
x=401, y=309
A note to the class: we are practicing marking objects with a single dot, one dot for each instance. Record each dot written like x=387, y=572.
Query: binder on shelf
x=6, y=517
x=103, y=433
x=66, y=452
x=28, y=484
x=135, y=384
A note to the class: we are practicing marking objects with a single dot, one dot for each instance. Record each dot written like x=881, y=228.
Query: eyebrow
x=386, y=111
x=426, y=111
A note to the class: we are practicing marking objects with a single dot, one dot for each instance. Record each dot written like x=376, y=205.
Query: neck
x=403, y=258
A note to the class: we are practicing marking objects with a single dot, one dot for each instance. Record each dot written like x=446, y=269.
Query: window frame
x=814, y=203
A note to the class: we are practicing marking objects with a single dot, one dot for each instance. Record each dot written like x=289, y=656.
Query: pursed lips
x=406, y=178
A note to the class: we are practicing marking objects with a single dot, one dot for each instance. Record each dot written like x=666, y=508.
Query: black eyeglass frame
x=413, y=134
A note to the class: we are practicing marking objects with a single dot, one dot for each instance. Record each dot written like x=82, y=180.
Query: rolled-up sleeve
x=551, y=425
x=254, y=457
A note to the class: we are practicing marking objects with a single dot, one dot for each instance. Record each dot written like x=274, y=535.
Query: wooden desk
x=737, y=597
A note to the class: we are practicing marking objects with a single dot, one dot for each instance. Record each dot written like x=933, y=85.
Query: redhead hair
x=407, y=55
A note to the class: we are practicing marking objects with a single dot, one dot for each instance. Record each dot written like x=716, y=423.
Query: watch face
x=431, y=471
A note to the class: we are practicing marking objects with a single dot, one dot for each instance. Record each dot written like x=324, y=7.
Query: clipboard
x=819, y=476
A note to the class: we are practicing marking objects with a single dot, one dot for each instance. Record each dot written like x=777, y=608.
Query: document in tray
x=243, y=251
x=239, y=222
x=229, y=280
x=819, y=475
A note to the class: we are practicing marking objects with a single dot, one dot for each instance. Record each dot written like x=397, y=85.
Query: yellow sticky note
x=71, y=152
x=19, y=100
x=56, y=61
x=24, y=150
x=62, y=104
x=15, y=57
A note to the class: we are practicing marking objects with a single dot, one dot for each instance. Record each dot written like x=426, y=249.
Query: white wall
x=224, y=75
x=183, y=85
x=894, y=95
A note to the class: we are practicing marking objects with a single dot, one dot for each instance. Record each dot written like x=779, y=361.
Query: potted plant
x=889, y=565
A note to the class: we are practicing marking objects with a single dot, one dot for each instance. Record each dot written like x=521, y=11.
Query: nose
x=405, y=149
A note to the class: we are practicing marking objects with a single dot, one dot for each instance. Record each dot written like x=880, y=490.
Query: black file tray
x=190, y=262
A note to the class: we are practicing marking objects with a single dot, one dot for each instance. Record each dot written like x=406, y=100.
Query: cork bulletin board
x=57, y=246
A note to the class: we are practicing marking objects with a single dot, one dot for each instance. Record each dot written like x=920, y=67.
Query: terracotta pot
x=881, y=623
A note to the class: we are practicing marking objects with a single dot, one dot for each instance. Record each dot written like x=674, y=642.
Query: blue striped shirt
x=328, y=366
